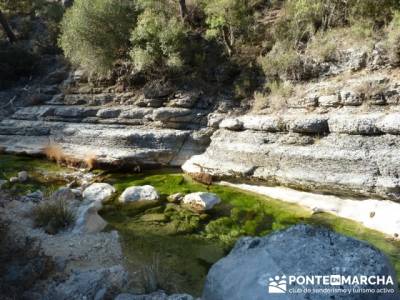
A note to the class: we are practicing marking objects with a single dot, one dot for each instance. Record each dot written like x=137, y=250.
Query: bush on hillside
x=157, y=41
x=95, y=34
x=228, y=21
x=393, y=40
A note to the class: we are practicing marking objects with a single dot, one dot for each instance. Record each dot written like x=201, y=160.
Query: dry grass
x=54, y=152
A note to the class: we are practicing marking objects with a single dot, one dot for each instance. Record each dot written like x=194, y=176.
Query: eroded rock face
x=139, y=193
x=299, y=250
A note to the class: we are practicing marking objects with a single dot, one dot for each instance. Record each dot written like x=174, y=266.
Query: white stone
x=99, y=192
x=231, y=124
x=202, y=200
x=139, y=193
x=22, y=176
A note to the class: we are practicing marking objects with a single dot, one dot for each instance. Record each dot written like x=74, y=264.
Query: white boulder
x=22, y=176
x=201, y=200
x=139, y=193
x=98, y=192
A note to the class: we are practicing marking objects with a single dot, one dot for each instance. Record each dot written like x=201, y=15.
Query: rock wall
x=336, y=145
x=340, y=134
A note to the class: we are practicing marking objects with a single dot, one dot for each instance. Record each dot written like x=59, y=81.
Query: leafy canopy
x=95, y=34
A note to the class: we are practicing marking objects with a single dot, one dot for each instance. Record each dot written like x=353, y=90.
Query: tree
x=157, y=40
x=6, y=27
x=95, y=34
x=227, y=20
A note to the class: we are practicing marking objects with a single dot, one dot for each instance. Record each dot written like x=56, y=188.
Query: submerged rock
x=250, y=270
x=175, y=198
x=201, y=200
x=139, y=193
x=100, y=192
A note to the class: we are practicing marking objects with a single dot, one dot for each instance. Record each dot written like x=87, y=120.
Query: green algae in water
x=43, y=174
x=186, y=258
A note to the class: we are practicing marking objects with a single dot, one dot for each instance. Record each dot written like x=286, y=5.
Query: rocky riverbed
x=157, y=241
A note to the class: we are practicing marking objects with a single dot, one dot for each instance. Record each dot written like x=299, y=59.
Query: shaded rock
x=185, y=100
x=107, y=113
x=157, y=89
x=150, y=102
x=98, y=192
x=22, y=176
x=2, y=183
x=86, y=284
x=88, y=219
x=63, y=194
x=36, y=196
x=231, y=124
x=250, y=268
x=175, y=197
x=310, y=124
x=139, y=193
x=201, y=200
x=351, y=98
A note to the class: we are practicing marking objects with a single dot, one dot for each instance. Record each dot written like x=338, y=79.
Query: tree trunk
x=7, y=29
x=183, y=9
x=227, y=41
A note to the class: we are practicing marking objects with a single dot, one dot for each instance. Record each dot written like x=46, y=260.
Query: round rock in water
x=139, y=193
x=201, y=200
x=275, y=267
x=98, y=192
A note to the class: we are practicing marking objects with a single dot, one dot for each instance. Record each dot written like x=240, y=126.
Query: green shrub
x=53, y=215
x=283, y=61
x=95, y=34
x=227, y=20
x=393, y=40
x=15, y=62
x=158, y=40
x=303, y=18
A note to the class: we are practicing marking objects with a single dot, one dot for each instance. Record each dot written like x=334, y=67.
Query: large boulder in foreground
x=201, y=200
x=274, y=267
x=139, y=193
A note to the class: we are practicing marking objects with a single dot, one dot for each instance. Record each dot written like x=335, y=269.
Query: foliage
x=157, y=41
x=53, y=215
x=95, y=34
x=393, y=40
x=15, y=62
x=305, y=17
x=227, y=20
x=282, y=61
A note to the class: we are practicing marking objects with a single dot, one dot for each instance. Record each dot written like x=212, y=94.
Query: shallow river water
x=170, y=247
